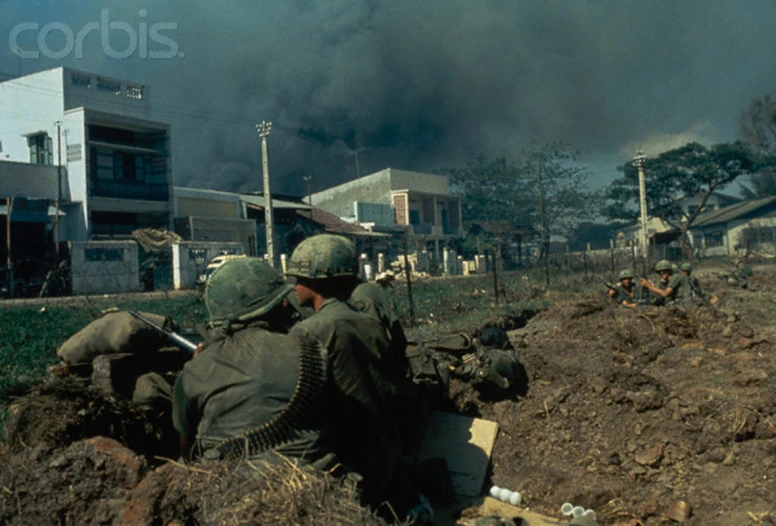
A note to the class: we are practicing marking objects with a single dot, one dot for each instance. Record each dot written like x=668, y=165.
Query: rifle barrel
x=173, y=336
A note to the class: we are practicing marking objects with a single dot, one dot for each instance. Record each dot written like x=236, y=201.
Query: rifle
x=173, y=336
x=609, y=285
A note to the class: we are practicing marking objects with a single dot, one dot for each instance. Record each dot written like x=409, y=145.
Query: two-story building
x=113, y=153
x=418, y=203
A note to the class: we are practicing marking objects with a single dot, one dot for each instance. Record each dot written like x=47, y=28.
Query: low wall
x=104, y=267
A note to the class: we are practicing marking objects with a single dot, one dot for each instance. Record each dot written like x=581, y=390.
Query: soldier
x=364, y=376
x=677, y=289
x=624, y=293
x=237, y=396
x=695, y=283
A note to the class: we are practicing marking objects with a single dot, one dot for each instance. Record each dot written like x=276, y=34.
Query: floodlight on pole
x=639, y=162
x=264, y=127
x=307, y=179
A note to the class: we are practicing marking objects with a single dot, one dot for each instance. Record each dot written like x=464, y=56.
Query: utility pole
x=639, y=162
x=545, y=223
x=9, y=261
x=307, y=179
x=59, y=190
x=355, y=153
x=264, y=128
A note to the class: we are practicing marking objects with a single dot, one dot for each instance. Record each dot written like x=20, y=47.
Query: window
x=80, y=81
x=714, y=239
x=104, y=254
x=40, y=149
x=108, y=86
x=135, y=92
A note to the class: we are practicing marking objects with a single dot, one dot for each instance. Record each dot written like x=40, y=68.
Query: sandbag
x=116, y=332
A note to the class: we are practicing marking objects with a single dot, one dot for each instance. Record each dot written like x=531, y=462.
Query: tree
x=758, y=128
x=691, y=170
x=541, y=187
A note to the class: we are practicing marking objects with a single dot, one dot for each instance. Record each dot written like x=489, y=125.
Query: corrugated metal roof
x=258, y=200
x=734, y=211
x=335, y=225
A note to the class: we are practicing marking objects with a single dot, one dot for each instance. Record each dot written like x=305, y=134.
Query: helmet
x=664, y=264
x=686, y=266
x=242, y=289
x=625, y=273
x=323, y=256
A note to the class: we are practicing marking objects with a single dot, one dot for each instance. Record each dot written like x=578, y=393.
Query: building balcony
x=130, y=190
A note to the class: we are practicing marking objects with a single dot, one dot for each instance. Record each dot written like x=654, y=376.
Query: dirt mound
x=630, y=411
x=59, y=467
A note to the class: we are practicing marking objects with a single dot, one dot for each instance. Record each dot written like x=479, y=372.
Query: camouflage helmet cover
x=324, y=256
x=242, y=289
x=625, y=273
x=664, y=264
x=686, y=266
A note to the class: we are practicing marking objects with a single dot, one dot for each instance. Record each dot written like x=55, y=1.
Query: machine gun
x=173, y=336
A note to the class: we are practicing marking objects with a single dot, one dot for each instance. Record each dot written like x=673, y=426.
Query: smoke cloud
x=424, y=84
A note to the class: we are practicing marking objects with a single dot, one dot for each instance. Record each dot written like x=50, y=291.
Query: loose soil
x=637, y=414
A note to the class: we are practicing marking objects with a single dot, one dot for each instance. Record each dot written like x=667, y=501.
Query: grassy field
x=30, y=335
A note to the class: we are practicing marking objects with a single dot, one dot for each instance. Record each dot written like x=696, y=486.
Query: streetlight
x=264, y=128
x=307, y=179
x=639, y=162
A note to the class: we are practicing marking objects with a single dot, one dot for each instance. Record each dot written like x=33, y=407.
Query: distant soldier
x=624, y=293
x=695, y=283
x=677, y=290
x=738, y=276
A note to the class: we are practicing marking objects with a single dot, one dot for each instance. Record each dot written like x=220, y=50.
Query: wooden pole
x=495, y=275
x=9, y=263
x=409, y=283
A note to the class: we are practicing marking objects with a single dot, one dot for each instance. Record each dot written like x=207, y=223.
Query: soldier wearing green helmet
x=365, y=386
x=677, y=288
x=235, y=396
x=695, y=283
x=624, y=293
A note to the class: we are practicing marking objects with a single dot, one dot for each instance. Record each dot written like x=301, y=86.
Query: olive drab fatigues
x=695, y=287
x=239, y=382
x=682, y=293
x=361, y=403
x=621, y=294
x=372, y=299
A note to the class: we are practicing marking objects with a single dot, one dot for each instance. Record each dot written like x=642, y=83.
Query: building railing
x=131, y=190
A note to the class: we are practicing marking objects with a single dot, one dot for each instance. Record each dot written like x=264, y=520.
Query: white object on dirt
x=589, y=514
x=578, y=511
x=515, y=499
x=495, y=491
x=566, y=508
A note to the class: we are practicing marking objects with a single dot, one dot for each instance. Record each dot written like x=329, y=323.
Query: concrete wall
x=190, y=258
x=82, y=89
x=187, y=206
x=374, y=188
x=29, y=180
x=104, y=267
x=27, y=105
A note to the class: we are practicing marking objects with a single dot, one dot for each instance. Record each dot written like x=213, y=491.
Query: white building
x=117, y=165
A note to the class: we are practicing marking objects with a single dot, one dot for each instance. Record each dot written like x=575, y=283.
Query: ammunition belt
x=293, y=418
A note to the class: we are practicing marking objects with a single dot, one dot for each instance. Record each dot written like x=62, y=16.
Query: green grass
x=31, y=335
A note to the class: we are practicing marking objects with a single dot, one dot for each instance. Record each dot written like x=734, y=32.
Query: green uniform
x=373, y=300
x=682, y=293
x=239, y=382
x=622, y=295
x=695, y=286
x=361, y=403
